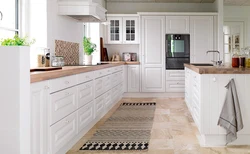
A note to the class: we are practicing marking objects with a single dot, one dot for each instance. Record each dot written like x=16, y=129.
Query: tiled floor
x=173, y=131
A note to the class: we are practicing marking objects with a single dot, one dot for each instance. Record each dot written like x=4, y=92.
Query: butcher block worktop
x=217, y=69
x=38, y=76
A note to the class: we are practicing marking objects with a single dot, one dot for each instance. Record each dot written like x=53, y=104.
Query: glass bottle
x=247, y=51
x=235, y=59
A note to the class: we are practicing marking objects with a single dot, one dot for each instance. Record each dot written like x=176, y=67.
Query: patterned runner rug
x=127, y=129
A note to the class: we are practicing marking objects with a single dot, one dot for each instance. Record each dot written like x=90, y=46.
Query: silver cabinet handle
x=1, y=15
x=46, y=87
x=66, y=82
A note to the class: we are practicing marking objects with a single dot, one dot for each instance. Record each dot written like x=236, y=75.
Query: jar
x=242, y=61
x=235, y=60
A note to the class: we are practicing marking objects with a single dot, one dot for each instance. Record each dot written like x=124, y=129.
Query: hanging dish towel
x=230, y=117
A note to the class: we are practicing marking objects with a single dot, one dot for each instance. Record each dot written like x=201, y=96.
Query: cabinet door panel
x=153, y=54
x=130, y=30
x=153, y=80
x=85, y=115
x=62, y=132
x=99, y=105
x=85, y=93
x=201, y=38
x=62, y=104
x=99, y=86
x=177, y=24
x=133, y=78
x=115, y=30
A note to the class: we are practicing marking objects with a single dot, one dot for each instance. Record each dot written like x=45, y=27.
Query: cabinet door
x=62, y=132
x=99, y=86
x=85, y=93
x=99, y=105
x=39, y=116
x=177, y=24
x=133, y=78
x=62, y=104
x=130, y=30
x=115, y=30
x=85, y=115
x=153, y=54
x=201, y=38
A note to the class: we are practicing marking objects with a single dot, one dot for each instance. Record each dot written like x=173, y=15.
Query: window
x=9, y=11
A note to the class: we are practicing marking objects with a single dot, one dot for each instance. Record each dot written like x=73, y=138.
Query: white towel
x=230, y=117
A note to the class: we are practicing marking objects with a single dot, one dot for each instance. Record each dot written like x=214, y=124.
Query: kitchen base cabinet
x=175, y=81
x=62, y=132
x=85, y=93
x=133, y=78
x=39, y=117
x=85, y=115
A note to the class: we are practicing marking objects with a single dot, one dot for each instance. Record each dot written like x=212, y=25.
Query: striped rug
x=127, y=129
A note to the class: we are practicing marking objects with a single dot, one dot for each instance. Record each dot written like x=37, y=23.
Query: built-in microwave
x=177, y=50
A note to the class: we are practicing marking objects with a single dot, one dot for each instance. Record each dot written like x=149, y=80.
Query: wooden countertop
x=123, y=62
x=217, y=69
x=38, y=76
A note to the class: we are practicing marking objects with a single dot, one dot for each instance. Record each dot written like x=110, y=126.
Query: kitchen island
x=205, y=94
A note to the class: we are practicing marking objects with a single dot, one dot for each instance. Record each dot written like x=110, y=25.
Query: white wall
x=62, y=28
x=132, y=8
x=239, y=13
x=112, y=49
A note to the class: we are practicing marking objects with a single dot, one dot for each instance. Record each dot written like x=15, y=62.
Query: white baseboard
x=146, y=95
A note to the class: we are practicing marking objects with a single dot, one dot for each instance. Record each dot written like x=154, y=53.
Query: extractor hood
x=82, y=10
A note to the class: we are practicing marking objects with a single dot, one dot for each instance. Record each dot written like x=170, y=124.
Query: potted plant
x=89, y=48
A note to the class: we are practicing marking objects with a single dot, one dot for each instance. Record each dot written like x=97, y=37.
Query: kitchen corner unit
x=205, y=94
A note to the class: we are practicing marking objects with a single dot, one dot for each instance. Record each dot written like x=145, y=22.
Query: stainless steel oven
x=177, y=50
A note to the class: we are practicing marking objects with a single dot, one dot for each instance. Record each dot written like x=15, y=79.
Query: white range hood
x=82, y=10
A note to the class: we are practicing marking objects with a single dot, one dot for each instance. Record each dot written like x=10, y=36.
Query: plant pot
x=88, y=59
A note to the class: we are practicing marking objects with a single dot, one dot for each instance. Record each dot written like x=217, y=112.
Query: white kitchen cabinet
x=114, y=32
x=99, y=105
x=175, y=81
x=99, y=86
x=39, y=116
x=85, y=93
x=133, y=78
x=62, y=103
x=85, y=115
x=177, y=24
x=62, y=132
x=153, y=54
x=122, y=29
x=201, y=38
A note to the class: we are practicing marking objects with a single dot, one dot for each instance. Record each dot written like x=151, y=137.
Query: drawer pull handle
x=87, y=76
x=66, y=121
x=67, y=93
x=46, y=87
x=66, y=82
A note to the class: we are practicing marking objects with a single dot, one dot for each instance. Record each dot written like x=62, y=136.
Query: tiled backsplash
x=69, y=50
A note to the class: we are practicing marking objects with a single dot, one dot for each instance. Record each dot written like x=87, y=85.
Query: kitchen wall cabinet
x=39, y=117
x=201, y=38
x=177, y=24
x=122, y=30
x=153, y=54
x=133, y=78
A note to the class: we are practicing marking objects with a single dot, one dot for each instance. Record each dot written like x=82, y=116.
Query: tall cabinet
x=201, y=38
x=153, y=54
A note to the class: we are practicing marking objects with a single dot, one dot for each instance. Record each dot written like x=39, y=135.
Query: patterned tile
x=69, y=50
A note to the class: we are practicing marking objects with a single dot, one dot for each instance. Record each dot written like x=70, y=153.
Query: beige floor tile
x=173, y=132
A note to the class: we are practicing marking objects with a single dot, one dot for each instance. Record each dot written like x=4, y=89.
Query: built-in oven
x=177, y=50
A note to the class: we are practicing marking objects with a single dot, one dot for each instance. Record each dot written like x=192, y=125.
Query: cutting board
x=44, y=69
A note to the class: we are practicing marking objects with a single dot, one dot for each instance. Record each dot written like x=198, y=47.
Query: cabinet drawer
x=84, y=77
x=99, y=86
x=117, y=68
x=108, y=82
x=85, y=93
x=85, y=115
x=175, y=75
x=108, y=98
x=103, y=72
x=62, y=132
x=62, y=83
x=115, y=93
x=175, y=86
x=117, y=78
x=62, y=104
x=99, y=105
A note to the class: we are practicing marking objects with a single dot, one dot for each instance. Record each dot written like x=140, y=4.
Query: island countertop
x=217, y=69
x=38, y=76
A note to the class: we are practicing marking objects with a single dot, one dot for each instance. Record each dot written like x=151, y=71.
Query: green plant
x=17, y=41
x=89, y=47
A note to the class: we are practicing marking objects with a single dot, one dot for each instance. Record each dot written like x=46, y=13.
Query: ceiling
x=226, y=2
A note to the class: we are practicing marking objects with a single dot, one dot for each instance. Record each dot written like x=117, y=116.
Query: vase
x=88, y=59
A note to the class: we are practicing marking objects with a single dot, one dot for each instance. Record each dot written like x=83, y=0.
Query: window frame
x=17, y=17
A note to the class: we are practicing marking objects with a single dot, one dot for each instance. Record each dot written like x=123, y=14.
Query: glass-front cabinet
x=122, y=30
